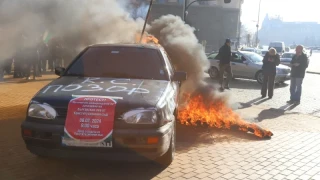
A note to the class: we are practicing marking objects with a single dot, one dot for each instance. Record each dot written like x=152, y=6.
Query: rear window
x=119, y=62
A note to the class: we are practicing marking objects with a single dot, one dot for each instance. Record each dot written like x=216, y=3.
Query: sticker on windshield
x=115, y=52
x=162, y=72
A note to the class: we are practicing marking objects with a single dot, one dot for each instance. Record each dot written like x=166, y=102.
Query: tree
x=249, y=37
x=244, y=31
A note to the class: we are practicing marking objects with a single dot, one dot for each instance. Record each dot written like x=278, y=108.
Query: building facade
x=275, y=29
x=214, y=21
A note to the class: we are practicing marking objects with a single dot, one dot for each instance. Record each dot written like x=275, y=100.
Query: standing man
x=224, y=64
x=299, y=65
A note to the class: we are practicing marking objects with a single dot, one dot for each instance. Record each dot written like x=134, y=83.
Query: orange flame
x=216, y=114
x=147, y=39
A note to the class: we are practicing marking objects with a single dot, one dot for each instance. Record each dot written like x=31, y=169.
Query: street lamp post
x=257, y=37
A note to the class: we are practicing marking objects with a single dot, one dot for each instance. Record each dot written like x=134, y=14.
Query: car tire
x=166, y=159
x=259, y=77
x=213, y=72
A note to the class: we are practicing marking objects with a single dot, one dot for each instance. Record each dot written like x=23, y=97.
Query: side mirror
x=179, y=76
x=59, y=70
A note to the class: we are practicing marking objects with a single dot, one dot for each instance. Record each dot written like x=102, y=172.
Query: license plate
x=76, y=143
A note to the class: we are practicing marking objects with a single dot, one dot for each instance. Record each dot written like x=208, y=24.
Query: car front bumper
x=286, y=63
x=128, y=144
x=282, y=77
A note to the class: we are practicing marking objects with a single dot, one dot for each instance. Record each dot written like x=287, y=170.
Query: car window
x=119, y=62
x=236, y=57
x=254, y=57
x=212, y=56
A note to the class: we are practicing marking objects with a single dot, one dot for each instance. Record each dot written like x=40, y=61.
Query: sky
x=289, y=10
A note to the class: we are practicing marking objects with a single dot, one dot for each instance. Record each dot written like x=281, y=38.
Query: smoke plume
x=77, y=23
x=186, y=53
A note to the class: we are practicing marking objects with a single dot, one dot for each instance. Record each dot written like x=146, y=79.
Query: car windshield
x=119, y=62
x=254, y=57
x=249, y=50
x=287, y=55
x=279, y=49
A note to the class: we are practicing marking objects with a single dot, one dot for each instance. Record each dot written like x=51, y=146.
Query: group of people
x=33, y=59
x=271, y=60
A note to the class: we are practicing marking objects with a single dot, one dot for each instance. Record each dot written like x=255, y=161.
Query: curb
x=309, y=72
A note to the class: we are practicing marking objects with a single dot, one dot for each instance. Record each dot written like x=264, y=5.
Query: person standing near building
x=224, y=64
x=270, y=61
x=299, y=64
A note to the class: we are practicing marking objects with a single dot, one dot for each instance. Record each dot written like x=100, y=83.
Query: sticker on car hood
x=89, y=122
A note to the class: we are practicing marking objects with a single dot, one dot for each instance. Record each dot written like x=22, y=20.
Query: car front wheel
x=259, y=77
x=213, y=72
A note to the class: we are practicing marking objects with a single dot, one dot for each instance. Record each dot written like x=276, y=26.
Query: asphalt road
x=314, y=64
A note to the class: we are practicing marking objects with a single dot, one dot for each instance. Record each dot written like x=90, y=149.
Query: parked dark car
x=114, y=102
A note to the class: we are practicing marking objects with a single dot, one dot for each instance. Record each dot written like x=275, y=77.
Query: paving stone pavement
x=292, y=153
x=247, y=93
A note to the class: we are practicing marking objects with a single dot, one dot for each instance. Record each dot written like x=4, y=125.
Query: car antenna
x=146, y=20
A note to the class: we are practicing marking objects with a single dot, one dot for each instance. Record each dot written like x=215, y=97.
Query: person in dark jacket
x=299, y=64
x=269, y=70
x=224, y=65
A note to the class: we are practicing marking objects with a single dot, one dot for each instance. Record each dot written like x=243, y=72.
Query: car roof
x=149, y=46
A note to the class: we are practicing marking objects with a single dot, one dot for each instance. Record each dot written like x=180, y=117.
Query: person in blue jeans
x=299, y=64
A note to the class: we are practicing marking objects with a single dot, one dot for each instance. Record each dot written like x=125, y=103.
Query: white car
x=247, y=65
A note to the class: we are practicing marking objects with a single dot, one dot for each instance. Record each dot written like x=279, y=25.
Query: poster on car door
x=89, y=122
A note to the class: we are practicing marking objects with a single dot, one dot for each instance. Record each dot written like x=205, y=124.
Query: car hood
x=283, y=67
x=285, y=59
x=129, y=93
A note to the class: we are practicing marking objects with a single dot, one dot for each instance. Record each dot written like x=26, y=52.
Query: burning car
x=115, y=102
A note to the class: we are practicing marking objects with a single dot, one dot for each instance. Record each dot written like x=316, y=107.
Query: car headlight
x=42, y=111
x=140, y=116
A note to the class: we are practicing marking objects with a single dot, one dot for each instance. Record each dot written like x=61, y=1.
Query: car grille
x=287, y=71
x=62, y=112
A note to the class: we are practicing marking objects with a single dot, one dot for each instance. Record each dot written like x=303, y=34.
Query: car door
x=213, y=59
x=239, y=67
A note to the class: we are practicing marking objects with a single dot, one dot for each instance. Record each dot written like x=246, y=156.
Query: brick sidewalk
x=292, y=153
